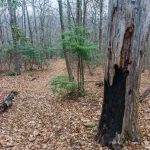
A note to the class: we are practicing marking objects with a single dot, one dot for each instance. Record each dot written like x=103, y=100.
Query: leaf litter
x=40, y=120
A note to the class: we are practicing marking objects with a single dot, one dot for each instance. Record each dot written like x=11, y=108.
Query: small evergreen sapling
x=62, y=86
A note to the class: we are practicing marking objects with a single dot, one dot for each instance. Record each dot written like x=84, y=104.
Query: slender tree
x=70, y=74
x=80, y=70
x=24, y=17
x=101, y=25
x=1, y=32
x=13, y=24
x=29, y=23
x=69, y=14
x=35, y=22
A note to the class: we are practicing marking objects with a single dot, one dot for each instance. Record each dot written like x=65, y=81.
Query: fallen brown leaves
x=40, y=120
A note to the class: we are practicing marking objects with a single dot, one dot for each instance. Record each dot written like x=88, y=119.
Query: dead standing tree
x=119, y=118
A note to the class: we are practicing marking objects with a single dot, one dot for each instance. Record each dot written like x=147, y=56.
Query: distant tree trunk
x=80, y=72
x=69, y=14
x=6, y=29
x=13, y=24
x=69, y=27
x=42, y=27
x=85, y=2
x=1, y=32
x=69, y=9
x=35, y=23
x=69, y=69
x=145, y=55
x=145, y=36
x=29, y=24
x=101, y=25
x=79, y=12
x=24, y=18
x=119, y=118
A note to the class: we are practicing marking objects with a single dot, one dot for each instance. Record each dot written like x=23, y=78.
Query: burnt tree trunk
x=119, y=118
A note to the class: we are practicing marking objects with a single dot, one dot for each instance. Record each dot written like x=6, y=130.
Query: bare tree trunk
x=84, y=12
x=145, y=35
x=85, y=2
x=119, y=118
x=6, y=30
x=80, y=66
x=101, y=25
x=29, y=24
x=69, y=9
x=13, y=24
x=70, y=74
x=145, y=55
x=35, y=23
x=69, y=14
x=1, y=32
x=24, y=18
x=79, y=12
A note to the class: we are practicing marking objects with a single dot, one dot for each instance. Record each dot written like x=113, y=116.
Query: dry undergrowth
x=40, y=120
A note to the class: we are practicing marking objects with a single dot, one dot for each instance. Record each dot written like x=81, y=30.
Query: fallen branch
x=100, y=83
x=97, y=82
x=33, y=79
x=7, y=101
x=93, y=81
x=145, y=94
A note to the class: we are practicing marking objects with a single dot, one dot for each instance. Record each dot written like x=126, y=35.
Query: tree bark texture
x=119, y=118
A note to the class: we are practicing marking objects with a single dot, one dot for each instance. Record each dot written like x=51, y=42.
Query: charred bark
x=113, y=107
x=119, y=118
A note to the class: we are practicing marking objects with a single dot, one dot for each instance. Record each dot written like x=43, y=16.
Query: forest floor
x=39, y=120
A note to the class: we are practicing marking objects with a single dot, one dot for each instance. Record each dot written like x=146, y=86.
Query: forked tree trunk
x=119, y=118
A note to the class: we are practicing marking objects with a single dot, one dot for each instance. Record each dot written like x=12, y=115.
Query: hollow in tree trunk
x=119, y=118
